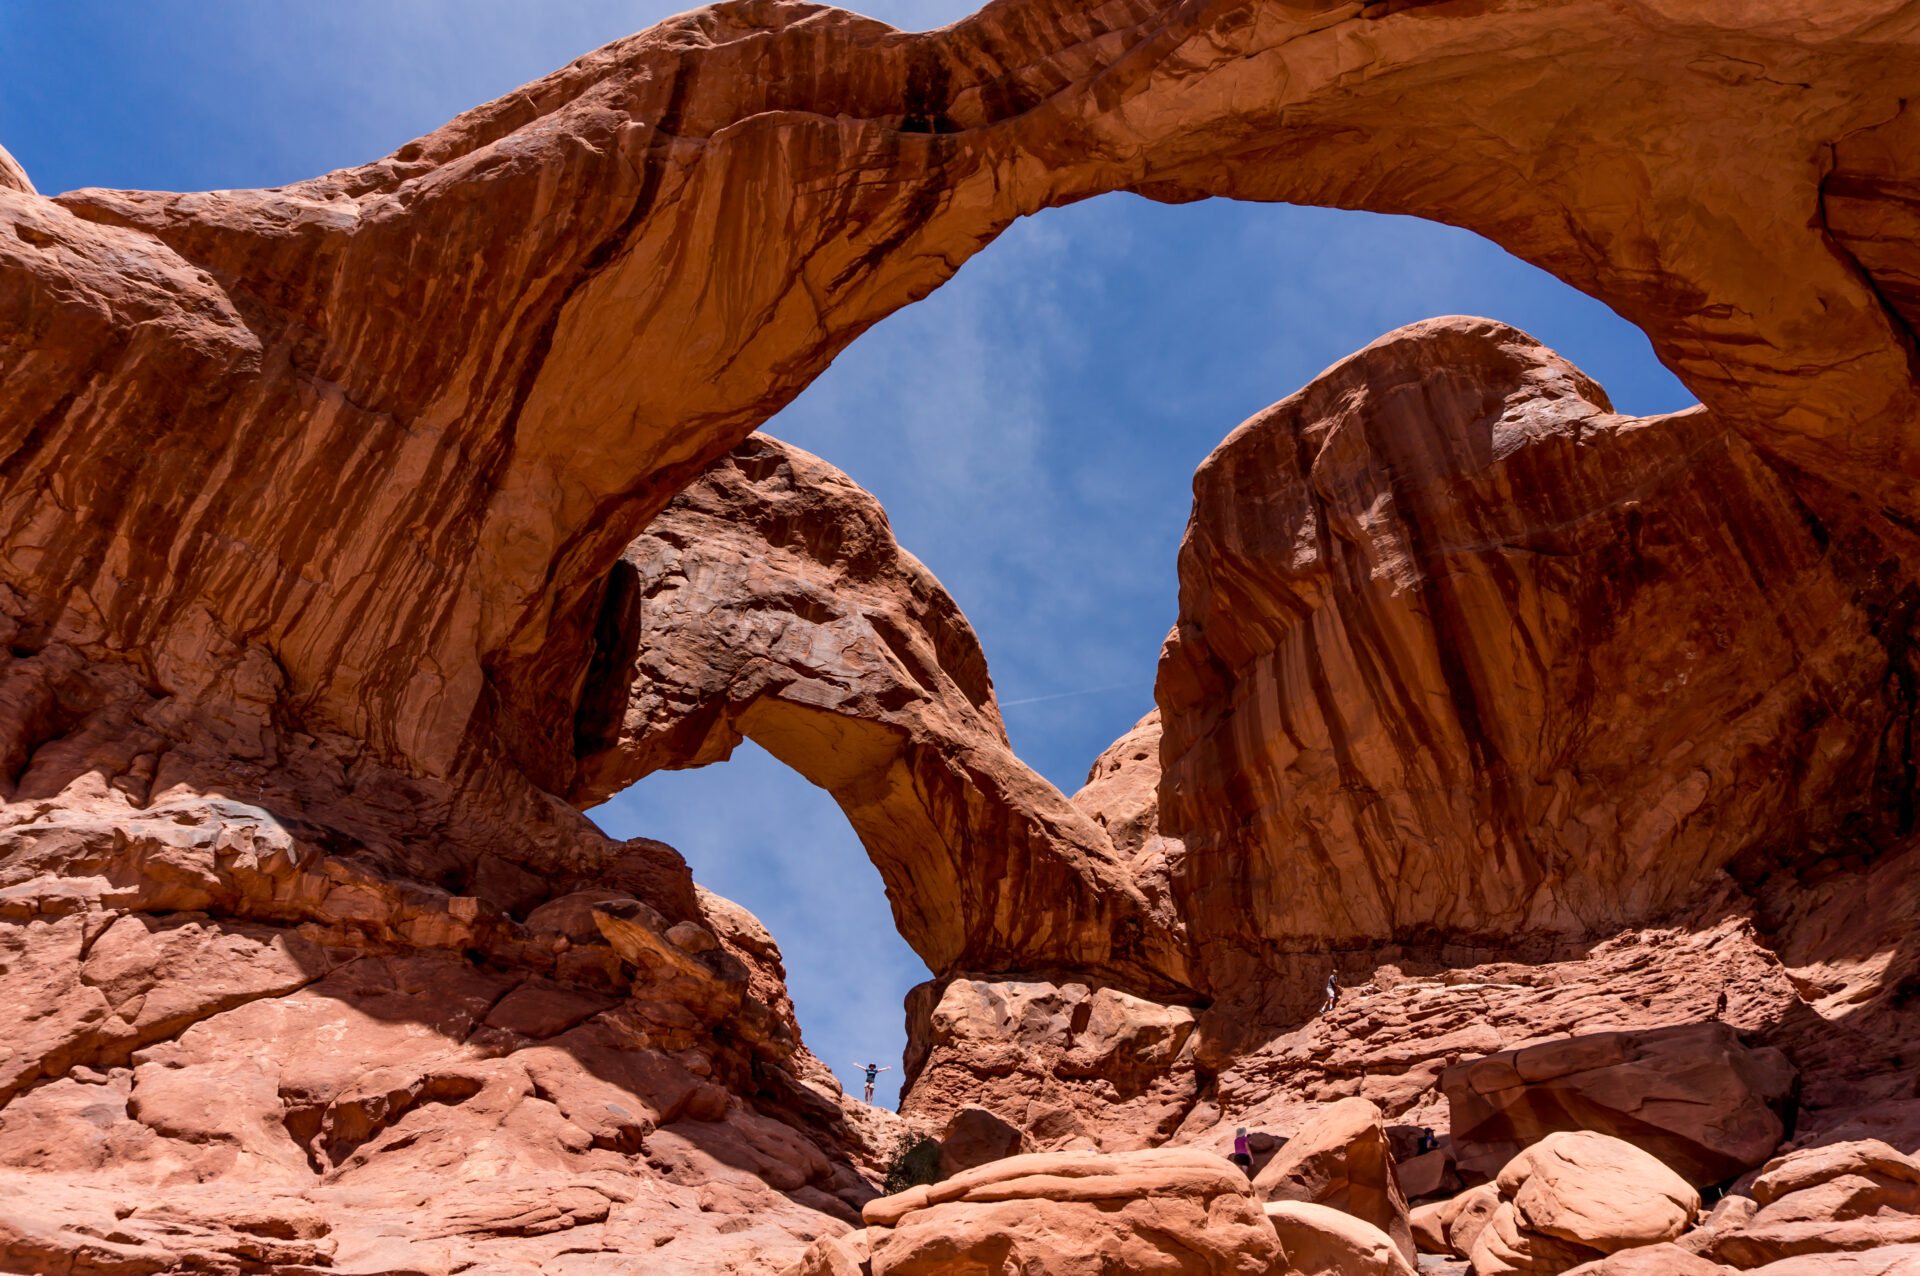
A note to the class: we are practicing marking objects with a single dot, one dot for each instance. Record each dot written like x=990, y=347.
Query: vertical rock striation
x=1465, y=658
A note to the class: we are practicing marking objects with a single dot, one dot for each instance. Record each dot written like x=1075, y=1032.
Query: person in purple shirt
x=1242, y=1157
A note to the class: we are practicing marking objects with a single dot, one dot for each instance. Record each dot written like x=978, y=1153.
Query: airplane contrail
x=1062, y=695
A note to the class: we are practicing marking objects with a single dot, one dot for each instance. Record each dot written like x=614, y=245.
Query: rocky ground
x=358, y=534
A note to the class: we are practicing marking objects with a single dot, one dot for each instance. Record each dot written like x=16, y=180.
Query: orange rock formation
x=324, y=510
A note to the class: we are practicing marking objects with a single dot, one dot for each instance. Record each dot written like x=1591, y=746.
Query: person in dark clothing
x=873, y=1070
x=1333, y=992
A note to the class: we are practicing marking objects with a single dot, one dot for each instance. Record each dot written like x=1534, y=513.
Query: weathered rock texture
x=770, y=600
x=313, y=503
x=1342, y=1159
x=1585, y=1190
x=1465, y=658
x=1472, y=673
x=1693, y=1096
x=1170, y=1210
x=247, y=472
x=1823, y=1200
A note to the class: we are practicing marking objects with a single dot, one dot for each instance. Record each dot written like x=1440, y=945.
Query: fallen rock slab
x=1169, y=1210
x=1704, y=1104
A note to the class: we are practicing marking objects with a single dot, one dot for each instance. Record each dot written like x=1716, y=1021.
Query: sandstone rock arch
x=771, y=602
x=312, y=500
x=682, y=228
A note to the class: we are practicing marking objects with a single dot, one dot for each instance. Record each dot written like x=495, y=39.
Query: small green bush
x=916, y=1162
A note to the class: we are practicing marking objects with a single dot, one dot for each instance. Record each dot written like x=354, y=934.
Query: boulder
x=1429, y=1174
x=1322, y=1241
x=1341, y=1158
x=1694, y=1096
x=1800, y=1170
x=1597, y=1191
x=1664, y=1259
x=975, y=1137
x=1451, y=1226
x=834, y=1256
x=1577, y=1197
x=1893, y=1260
x=1834, y=1198
x=1507, y=1245
x=1429, y=1231
x=1169, y=1210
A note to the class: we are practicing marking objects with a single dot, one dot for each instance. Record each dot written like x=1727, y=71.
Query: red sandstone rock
x=309, y=606
x=976, y=1137
x=1894, y=1260
x=770, y=600
x=1837, y=1197
x=1320, y=1240
x=1693, y=1096
x=1068, y=1065
x=1597, y=1191
x=1463, y=654
x=1341, y=1159
x=1451, y=1226
x=1079, y=1214
x=1650, y=1260
x=12, y=176
x=1810, y=1167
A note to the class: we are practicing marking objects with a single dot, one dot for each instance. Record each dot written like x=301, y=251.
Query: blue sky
x=1032, y=428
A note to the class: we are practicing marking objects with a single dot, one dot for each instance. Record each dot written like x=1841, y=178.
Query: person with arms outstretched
x=873, y=1070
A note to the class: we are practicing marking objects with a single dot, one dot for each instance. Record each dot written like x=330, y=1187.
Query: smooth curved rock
x=1320, y=1240
x=1809, y=1167
x=1833, y=1198
x=1078, y=1214
x=1506, y=1246
x=1893, y=1260
x=1342, y=1159
x=1453, y=1225
x=1597, y=1191
x=1650, y=1260
x=12, y=176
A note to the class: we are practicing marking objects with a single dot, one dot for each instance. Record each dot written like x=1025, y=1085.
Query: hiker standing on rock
x=873, y=1070
x=1333, y=992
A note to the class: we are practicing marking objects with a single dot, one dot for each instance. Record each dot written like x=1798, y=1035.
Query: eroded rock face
x=1694, y=1096
x=770, y=600
x=313, y=502
x=1068, y=1064
x=1462, y=655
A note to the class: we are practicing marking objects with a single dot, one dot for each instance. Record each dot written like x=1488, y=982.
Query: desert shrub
x=916, y=1162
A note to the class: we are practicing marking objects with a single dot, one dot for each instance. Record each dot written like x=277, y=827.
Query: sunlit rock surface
x=313, y=501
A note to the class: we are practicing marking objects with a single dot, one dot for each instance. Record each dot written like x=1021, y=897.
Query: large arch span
x=356, y=458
